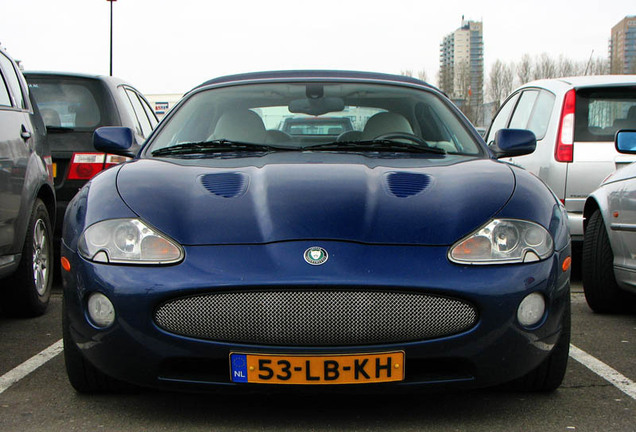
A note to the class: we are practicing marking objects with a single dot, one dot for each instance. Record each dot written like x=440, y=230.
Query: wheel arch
x=47, y=195
x=592, y=204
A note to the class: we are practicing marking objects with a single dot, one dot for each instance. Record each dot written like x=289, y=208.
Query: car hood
x=208, y=205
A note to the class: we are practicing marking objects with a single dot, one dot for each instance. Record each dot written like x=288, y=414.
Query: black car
x=27, y=199
x=73, y=106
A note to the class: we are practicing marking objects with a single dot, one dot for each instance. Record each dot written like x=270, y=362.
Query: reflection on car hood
x=197, y=205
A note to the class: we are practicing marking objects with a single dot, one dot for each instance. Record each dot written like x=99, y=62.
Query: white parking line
x=617, y=379
x=21, y=371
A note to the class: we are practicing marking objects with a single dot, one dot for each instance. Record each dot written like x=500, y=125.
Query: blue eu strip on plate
x=239, y=368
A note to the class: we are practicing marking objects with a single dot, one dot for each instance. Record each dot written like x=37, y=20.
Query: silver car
x=609, y=248
x=575, y=121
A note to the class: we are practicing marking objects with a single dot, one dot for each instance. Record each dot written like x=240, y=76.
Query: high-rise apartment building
x=461, y=69
x=623, y=47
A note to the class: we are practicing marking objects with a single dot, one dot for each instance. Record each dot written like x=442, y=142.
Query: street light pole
x=111, y=35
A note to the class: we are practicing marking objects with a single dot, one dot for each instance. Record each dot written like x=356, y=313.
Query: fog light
x=531, y=309
x=101, y=310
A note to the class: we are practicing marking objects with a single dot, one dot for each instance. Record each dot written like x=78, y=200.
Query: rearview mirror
x=316, y=106
x=513, y=142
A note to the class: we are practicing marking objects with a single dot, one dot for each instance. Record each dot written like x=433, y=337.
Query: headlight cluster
x=127, y=241
x=504, y=241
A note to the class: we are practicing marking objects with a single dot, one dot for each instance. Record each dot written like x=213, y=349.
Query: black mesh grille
x=315, y=318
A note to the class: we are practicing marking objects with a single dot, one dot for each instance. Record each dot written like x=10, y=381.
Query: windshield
x=306, y=116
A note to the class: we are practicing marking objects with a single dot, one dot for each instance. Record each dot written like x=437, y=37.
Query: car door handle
x=25, y=134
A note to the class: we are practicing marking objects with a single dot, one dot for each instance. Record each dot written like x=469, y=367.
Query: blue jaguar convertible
x=377, y=244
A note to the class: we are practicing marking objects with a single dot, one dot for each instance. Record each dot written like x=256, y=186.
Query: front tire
x=599, y=283
x=27, y=292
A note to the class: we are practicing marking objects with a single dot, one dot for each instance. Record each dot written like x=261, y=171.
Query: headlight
x=504, y=241
x=127, y=241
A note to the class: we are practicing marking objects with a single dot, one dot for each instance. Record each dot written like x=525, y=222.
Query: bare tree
x=462, y=80
x=566, y=67
x=525, y=69
x=463, y=92
x=421, y=74
x=546, y=67
x=445, y=79
x=500, y=82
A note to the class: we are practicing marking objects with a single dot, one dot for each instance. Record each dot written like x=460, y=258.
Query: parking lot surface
x=40, y=398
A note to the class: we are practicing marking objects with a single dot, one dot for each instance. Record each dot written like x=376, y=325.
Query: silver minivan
x=575, y=121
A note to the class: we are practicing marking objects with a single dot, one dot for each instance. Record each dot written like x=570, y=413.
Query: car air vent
x=403, y=184
x=226, y=185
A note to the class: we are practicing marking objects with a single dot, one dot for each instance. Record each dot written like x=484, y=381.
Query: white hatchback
x=575, y=121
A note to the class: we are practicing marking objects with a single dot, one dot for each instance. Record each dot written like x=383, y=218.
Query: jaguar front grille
x=315, y=317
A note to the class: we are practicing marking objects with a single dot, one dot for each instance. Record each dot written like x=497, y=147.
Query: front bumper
x=575, y=224
x=135, y=349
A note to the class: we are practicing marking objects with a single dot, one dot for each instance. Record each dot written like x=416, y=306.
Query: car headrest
x=384, y=123
x=240, y=125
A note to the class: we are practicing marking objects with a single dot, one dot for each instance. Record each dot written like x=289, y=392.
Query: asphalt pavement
x=43, y=400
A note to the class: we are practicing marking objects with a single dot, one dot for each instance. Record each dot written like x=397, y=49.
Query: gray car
x=575, y=120
x=27, y=199
x=609, y=247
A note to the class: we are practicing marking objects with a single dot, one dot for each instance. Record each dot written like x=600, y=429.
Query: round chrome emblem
x=316, y=255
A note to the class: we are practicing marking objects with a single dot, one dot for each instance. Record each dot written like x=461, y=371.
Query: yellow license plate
x=324, y=369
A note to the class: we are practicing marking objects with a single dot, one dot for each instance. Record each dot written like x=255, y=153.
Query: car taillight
x=564, y=151
x=85, y=166
x=112, y=160
x=48, y=162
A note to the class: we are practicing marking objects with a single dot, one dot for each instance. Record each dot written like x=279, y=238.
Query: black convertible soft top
x=329, y=74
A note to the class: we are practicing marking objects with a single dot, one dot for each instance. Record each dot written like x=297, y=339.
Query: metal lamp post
x=111, y=35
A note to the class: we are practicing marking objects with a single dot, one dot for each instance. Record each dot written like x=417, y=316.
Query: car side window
x=149, y=112
x=142, y=118
x=541, y=113
x=501, y=118
x=5, y=100
x=533, y=112
x=12, y=81
x=129, y=108
x=522, y=113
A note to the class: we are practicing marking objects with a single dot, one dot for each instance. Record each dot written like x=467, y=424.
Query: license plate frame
x=322, y=369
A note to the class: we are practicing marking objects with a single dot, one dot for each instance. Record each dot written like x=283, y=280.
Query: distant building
x=162, y=103
x=622, y=49
x=461, y=71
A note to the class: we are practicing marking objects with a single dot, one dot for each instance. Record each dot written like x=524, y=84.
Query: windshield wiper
x=376, y=145
x=215, y=146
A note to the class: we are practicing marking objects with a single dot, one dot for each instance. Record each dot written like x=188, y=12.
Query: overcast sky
x=165, y=46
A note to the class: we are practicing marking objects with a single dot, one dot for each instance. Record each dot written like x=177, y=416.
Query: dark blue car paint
x=497, y=348
x=331, y=200
x=339, y=197
x=137, y=291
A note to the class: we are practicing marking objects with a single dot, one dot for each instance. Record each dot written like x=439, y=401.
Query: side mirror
x=513, y=142
x=625, y=141
x=115, y=140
